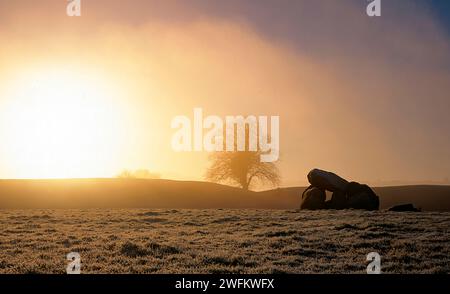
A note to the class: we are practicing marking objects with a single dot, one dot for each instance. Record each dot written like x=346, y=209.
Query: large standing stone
x=327, y=181
x=338, y=201
x=313, y=199
x=362, y=197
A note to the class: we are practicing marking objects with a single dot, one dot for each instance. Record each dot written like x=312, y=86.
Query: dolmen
x=345, y=195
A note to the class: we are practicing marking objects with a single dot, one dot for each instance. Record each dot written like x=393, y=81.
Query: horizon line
x=393, y=183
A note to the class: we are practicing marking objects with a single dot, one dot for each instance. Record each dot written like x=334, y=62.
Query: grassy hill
x=427, y=197
x=136, y=193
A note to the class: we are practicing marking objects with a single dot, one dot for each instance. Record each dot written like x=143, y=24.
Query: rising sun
x=61, y=123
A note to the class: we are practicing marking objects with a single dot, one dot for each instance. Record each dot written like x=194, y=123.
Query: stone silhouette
x=338, y=201
x=404, y=207
x=313, y=199
x=345, y=195
x=361, y=197
x=326, y=180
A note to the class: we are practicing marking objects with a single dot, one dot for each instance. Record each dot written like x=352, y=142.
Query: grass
x=222, y=241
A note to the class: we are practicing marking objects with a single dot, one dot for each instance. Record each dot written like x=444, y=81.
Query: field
x=222, y=241
x=155, y=194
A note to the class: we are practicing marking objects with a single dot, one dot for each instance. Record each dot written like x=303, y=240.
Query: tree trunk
x=245, y=186
x=247, y=183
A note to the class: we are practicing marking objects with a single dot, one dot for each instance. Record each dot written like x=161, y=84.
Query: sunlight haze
x=93, y=95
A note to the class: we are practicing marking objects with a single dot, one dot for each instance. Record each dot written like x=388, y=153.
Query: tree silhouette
x=241, y=168
x=126, y=174
x=138, y=174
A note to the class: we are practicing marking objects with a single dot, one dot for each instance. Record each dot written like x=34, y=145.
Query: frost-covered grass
x=223, y=241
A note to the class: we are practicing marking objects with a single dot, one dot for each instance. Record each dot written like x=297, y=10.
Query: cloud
x=364, y=97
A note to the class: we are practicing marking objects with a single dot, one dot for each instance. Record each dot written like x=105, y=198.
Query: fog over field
x=223, y=241
x=159, y=193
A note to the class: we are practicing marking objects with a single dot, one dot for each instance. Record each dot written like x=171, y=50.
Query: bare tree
x=126, y=174
x=242, y=168
x=138, y=174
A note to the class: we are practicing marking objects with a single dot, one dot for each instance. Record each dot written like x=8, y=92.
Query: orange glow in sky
x=90, y=96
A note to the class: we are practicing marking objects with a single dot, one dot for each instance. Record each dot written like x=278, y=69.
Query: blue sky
x=441, y=8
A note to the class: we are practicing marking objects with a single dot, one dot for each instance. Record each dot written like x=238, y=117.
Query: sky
x=364, y=97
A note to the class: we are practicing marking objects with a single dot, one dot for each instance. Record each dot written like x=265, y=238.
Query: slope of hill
x=135, y=193
x=427, y=197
